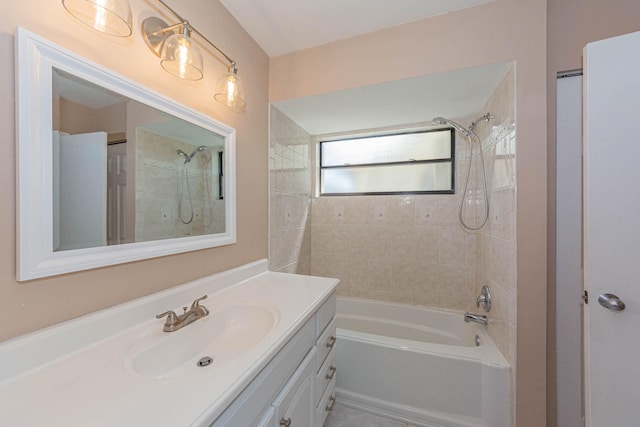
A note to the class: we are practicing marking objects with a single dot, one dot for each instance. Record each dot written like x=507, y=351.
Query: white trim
x=35, y=60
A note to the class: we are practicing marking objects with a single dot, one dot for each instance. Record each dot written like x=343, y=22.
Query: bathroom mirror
x=109, y=171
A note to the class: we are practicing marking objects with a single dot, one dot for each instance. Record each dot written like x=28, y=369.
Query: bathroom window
x=416, y=163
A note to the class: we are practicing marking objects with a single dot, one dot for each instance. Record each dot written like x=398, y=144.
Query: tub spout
x=477, y=318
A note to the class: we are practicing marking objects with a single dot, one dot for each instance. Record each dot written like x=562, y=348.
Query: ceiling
x=283, y=26
x=82, y=92
x=453, y=94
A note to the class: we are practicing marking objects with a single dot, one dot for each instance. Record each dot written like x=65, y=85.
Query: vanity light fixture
x=111, y=17
x=181, y=57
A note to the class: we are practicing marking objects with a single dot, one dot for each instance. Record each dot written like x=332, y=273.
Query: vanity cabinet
x=296, y=388
x=267, y=334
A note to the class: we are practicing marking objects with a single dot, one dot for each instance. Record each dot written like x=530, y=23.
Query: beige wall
x=495, y=32
x=74, y=117
x=571, y=25
x=71, y=117
x=28, y=306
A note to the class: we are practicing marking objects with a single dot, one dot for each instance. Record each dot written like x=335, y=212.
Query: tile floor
x=347, y=417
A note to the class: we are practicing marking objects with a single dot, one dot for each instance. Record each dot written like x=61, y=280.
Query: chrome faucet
x=476, y=318
x=175, y=321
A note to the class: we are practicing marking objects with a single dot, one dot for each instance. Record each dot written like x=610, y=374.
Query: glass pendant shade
x=111, y=17
x=230, y=92
x=181, y=57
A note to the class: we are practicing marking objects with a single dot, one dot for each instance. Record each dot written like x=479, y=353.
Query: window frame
x=451, y=160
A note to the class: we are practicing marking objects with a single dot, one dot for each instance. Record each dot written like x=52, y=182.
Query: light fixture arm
x=171, y=28
x=183, y=22
x=180, y=57
x=180, y=18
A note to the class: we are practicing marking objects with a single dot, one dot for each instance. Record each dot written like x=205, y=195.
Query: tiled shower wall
x=409, y=249
x=289, y=196
x=496, y=241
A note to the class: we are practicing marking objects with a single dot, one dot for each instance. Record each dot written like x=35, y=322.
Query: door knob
x=611, y=302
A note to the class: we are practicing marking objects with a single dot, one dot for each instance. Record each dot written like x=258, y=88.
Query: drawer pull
x=332, y=402
x=331, y=374
x=331, y=342
x=285, y=423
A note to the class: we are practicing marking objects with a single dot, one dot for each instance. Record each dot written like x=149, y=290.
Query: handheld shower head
x=471, y=135
x=442, y=121
x=188, y=157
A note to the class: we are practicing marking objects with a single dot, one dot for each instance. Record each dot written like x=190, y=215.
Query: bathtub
x=418, y=365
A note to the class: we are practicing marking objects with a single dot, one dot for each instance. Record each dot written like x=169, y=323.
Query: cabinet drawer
x=326, y=374
x=326, y=343
x=325, y=314
x=326, y=403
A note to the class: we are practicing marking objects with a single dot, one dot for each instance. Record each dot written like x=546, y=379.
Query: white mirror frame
x=35, y=59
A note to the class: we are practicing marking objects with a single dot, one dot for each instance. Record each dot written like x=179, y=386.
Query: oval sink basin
x=222, y=335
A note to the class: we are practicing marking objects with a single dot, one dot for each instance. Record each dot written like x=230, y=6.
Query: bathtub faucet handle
x=484, y=299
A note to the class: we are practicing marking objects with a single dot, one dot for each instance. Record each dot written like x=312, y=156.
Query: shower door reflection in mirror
x=126, y=172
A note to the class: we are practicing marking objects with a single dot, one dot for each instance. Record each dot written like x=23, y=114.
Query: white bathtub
x=419, y=365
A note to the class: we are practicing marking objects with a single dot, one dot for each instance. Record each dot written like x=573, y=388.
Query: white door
x=612, y=230
x=81, y=192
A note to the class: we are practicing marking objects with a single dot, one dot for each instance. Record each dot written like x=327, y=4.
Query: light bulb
x=100, y=22
x=183, y=57
x=180, y=57
x=231, y=88
x=229, y=91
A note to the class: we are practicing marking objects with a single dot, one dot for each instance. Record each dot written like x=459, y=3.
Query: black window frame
x=451, y=160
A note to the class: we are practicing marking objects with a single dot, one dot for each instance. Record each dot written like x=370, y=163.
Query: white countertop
x=79, y=373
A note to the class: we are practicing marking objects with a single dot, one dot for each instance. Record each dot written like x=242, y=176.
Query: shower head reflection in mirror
x=471, y=137
x=187, y=218
x=188, y=157
x=40, y=64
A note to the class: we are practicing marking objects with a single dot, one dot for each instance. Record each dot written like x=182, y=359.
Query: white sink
x=222, y=336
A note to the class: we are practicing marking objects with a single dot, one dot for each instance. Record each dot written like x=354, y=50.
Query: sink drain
x=205, y=361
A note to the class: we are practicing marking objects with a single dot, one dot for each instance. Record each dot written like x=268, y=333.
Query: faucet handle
x=196, y=305
x=484, y=299
x=172, y=317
